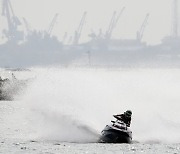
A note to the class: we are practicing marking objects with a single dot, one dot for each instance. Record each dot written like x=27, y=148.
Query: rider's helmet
x=128, y=113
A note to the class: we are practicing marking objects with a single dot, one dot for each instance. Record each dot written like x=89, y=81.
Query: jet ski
x=11, y=87
x=116, y=132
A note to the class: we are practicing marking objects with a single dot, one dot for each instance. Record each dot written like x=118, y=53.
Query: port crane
x=140, y=33
x=78, y=32
x=113, y=23
x=12, y=33
x=51, y=26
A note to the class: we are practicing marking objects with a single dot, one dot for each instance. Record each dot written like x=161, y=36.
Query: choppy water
x=64, y=110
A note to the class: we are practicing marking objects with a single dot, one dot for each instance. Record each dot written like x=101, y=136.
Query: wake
x=74, y=104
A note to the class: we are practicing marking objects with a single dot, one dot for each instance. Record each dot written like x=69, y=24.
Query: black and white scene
x=90, y=76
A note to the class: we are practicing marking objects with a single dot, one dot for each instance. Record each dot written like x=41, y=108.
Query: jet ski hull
x=113, y=135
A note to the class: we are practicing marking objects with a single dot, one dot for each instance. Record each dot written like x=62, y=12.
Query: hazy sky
x=39, y=14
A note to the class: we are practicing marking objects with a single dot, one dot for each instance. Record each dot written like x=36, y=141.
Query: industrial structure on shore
x=30, y=48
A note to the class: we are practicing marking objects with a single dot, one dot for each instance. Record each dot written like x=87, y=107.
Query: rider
x=125, y=117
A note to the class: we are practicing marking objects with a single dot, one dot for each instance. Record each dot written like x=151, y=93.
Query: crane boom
x=110, y=28
x=143, y=26
x=6, y=12
x=10, y=6
x=113, y=23
x=175, y=18
x=78, y=32
x=118, y=17
x=51, y=26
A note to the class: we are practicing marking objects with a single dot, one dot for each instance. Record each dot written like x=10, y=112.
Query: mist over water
x=75, y=104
